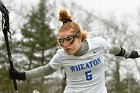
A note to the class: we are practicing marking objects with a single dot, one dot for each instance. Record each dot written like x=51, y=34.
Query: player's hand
x=14, y=74
x=134, y=54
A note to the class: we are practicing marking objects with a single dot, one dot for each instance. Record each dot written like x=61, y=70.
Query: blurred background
x=34, y=24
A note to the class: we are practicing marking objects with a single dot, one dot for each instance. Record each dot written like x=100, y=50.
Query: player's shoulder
x=61, y=53
x=96, y=40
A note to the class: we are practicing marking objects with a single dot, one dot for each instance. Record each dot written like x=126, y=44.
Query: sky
x=103, y=7
x=118, y=7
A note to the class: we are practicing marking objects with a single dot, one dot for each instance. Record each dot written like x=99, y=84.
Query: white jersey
x=85, y=74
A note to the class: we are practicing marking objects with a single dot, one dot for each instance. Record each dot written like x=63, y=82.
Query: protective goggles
x=69, y=38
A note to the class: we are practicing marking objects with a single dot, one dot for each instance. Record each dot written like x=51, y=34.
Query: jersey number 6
x=88, y=75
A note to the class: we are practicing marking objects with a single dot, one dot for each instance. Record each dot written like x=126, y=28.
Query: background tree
x=37, y=43
x=6, y=84
x=119, y=34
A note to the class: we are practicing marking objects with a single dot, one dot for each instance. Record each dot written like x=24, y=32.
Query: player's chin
x=70, y=52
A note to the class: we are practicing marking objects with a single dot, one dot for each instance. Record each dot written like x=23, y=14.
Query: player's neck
x=83, y=49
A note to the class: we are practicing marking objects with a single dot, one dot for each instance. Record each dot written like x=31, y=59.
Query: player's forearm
x=119, y=51
x=39, y=72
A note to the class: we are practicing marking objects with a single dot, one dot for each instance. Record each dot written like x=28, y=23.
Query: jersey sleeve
x=105, y=44
x=56, y=61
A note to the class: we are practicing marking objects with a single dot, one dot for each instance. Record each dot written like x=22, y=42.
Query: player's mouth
x=67, y=50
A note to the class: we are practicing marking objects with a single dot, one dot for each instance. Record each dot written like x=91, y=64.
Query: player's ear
x=80, y=37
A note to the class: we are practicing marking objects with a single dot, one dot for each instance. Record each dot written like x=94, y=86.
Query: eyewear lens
x=70, y=38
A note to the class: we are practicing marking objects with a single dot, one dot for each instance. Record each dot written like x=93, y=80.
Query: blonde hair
x=65, y=17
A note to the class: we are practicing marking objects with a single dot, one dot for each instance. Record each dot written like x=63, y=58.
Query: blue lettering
x=82, y=66
x=77, y=69
x=90, y=64
x=87, y=66
x=72, y=68
x=95, y=62
x=99, y=60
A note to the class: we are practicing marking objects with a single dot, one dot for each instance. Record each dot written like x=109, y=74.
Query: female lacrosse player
x=81, y=58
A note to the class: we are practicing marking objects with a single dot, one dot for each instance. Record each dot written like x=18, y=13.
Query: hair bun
x=64, y=16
